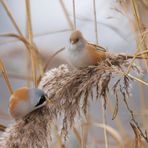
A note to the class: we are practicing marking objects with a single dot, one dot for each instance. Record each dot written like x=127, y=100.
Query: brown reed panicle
x=70, y=92
x=31, y=131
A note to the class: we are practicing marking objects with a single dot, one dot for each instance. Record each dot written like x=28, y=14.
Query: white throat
x=77, y=55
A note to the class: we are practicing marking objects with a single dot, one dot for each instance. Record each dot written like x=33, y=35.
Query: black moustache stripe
x=42, y=100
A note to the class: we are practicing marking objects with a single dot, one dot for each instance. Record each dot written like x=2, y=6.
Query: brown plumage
x=17, y=96
x=81, y=53
x=24, y=100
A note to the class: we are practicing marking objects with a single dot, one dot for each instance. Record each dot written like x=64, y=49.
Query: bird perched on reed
x=25, y=100
x=81, y=53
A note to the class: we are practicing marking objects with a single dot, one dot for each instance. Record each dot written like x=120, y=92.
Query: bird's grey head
x=37, y=98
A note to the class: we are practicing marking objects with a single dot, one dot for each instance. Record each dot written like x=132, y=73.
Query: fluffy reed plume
x=31, y=131
x=69, y=92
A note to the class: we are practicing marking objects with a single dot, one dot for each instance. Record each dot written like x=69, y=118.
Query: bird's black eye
x=77, y=39
x=41, y=101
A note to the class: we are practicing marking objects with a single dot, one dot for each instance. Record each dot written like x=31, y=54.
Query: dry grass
x=72, y=91
x=32, y=131
x=74, y=87
x=4, y=73
x=131, y=9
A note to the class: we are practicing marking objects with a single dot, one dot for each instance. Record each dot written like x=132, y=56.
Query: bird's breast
x=79, y=58
x=18, y=107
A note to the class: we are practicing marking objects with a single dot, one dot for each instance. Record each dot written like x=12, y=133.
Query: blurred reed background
x=31, y=31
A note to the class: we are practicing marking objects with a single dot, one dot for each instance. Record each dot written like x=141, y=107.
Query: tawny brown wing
x=97, y=56
x=98, y=47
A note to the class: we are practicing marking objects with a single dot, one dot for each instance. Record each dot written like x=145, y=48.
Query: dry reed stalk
x=49, y=61
x=132, y=12
x=95, y=21
x=9, y=13
x=30, y=39
x=102, y=101
x=136, y=54
x=37, y=35
x=17, y=28
x=104, y=121
x=117, y=120
x=139, y=26
x=30, y=47
x=21, y=77
x=51, y=58
x=29, y=24
x=35, y=55
x=138, y=142
x=32, y=53
x=143, y=107
x=77, y=134
x=112, y=132
x=66, y=15
x=84, y=129
x=4, y=73
x=87, y=90
x=74, y=15
x=58, y=138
